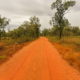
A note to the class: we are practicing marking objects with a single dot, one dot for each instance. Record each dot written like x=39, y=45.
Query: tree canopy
x=3, y=23
x=59, y=21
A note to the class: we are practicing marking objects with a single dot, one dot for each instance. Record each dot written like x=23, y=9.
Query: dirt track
x=38, y=61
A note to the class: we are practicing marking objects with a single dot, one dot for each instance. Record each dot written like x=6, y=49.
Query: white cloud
x=20, y=10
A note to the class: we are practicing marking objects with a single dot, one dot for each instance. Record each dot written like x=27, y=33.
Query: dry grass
x=69, y=48
x=7, y=51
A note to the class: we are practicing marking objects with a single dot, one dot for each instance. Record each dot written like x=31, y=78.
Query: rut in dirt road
x=38, y=61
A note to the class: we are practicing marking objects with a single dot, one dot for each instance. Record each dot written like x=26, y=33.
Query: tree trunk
x=0, y=35
x=61, y=33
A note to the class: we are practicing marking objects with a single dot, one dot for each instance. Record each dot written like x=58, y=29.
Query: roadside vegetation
x=62, y=35
x=13, y=40
x=69, y=48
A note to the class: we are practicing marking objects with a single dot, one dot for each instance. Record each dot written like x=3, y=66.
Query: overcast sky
x=21, y=10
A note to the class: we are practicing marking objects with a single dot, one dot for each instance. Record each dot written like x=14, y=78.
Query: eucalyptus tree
x=35, y=25
x=3, y=23
x=58, y=20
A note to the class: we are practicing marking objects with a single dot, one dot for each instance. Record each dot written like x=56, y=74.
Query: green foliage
x=3, y=23
x=59, y=21
x=29, y=30
x=45, y=32
x=68, y=31
x=35, y=25
x=76, y=31
x=68, y=4
x=71, y=31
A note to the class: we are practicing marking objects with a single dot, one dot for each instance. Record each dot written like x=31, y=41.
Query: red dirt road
x=38, y=61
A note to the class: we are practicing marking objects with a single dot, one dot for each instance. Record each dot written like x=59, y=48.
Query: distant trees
x=68, y=31
x=45, y=32
x=59, y=21
x=32, y=27
x=27, y=31
x=35, y=24
x=3, y=23
x=76, y=31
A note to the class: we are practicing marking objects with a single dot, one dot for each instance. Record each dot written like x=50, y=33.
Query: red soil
x=38, y=61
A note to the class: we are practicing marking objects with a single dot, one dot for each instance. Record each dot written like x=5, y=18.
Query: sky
x=19, y=11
